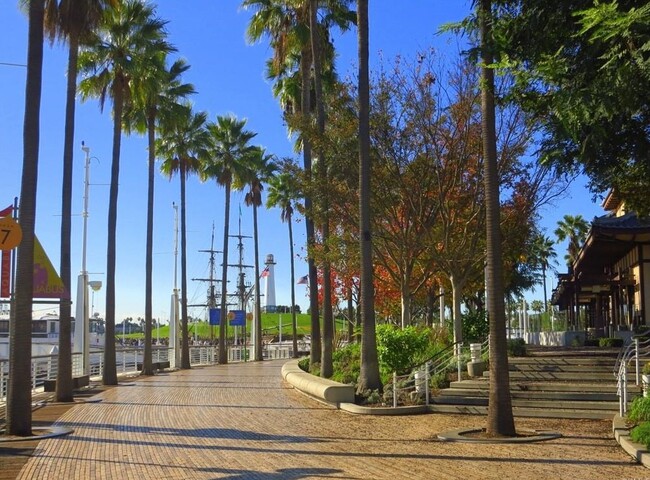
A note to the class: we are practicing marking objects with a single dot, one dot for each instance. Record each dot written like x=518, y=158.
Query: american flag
x=303, y=280
x=265, y=273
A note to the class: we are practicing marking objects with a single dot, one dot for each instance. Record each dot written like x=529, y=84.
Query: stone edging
x=622, y=435
x=332, y=392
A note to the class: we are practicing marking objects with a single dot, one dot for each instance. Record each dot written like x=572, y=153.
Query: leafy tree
x=183, y=145
x=227, y=162
x=130, y=37
x=584, y=71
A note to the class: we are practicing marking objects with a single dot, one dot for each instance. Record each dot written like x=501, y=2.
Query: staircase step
x=582, y=369
x=562, y=376
x=483, y=384
x=546, y=404
x=538, y=395
x=597, y=361
x=524, y=412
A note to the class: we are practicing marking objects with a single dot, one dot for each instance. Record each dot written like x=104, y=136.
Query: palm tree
x=500, y=421
x=543, y=252
x=19, y=395
x=131, y=36
x=283, y=193
x=287, y=25
x=574, y=229
x=260, y=169
x=183, y=145
x=71, y=21
x=227, y=161
x=369, y=375
x=156, y=94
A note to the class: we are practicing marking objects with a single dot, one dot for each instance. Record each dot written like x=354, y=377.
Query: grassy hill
x=271, y=323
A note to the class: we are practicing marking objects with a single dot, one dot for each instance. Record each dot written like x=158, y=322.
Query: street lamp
x=81, y=335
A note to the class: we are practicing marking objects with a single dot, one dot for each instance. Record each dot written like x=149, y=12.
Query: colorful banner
x=47, y=283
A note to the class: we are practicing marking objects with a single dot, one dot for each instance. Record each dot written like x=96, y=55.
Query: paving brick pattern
x=241, y=421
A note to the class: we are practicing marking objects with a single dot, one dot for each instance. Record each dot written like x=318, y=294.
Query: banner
x=237, y=318
x=5, y=274
x=47, y=283
x=215, y=316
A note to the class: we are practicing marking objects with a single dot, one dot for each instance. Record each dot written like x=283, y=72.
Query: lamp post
x=81, y=336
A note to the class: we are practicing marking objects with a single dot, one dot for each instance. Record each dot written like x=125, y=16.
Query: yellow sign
x=47, y=283
x=10, y=233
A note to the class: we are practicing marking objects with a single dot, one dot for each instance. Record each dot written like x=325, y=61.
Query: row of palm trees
x=121, y=51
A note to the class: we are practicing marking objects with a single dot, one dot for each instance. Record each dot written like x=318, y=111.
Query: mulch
x=14, y=455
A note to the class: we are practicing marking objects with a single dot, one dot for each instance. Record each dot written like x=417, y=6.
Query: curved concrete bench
x=322, y=388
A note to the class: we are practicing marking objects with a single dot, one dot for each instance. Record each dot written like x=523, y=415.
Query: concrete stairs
x=548, y=383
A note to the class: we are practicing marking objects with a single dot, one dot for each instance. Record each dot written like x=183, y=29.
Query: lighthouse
x=269, y=290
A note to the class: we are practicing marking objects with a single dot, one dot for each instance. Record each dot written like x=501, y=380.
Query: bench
x=160, y=365
x=77, y=383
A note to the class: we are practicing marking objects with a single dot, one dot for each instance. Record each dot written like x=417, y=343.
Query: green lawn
x=270, y=326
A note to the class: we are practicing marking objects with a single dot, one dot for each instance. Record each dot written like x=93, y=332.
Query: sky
x=228, y=74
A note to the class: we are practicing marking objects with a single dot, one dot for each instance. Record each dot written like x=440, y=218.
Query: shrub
x=347, y=363
x=399, y=349
x=516, y=347
x=646, y=369
x=475, y=326
x=303, y=363
x=641, y=434
x=610, y=342
x=639, y=410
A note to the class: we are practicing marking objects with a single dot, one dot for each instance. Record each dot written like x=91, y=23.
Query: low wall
x=321, y=388
x=564, y=339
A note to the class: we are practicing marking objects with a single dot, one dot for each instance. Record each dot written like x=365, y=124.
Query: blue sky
x=228, y=74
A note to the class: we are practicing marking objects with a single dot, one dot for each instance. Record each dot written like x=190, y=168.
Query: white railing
x=415, y=386
x=630, y=357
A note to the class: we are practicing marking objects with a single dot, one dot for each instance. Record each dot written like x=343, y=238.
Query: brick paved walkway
x=241, y=421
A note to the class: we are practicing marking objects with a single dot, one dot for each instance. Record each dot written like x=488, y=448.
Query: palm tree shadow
x=281, y=474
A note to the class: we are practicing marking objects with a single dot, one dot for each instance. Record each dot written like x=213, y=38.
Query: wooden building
x=608, y=286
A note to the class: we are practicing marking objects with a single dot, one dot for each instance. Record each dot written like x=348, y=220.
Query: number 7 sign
x=10, y=233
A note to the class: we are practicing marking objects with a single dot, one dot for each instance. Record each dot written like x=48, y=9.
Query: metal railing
x=129, y=361
x=414, y=387
x=629, y=359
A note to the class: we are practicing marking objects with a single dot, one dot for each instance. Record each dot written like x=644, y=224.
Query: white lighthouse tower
x=269, y=290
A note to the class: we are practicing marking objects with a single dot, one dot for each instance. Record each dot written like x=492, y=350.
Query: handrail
x=430, y=359
x=634, y=351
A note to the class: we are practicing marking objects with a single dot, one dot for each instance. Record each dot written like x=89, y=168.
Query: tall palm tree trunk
x=258, y=310
x=185, y=341
x=326, y=369
x=19, y=395
x=223, y=348
x=315, y=351
x=109, y=376
x=369, y=374
x=500, y=421
x=64, y=375
x=294, y=320
x=147, y=368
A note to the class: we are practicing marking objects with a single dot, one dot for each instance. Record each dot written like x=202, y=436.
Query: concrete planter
x=476, y=369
